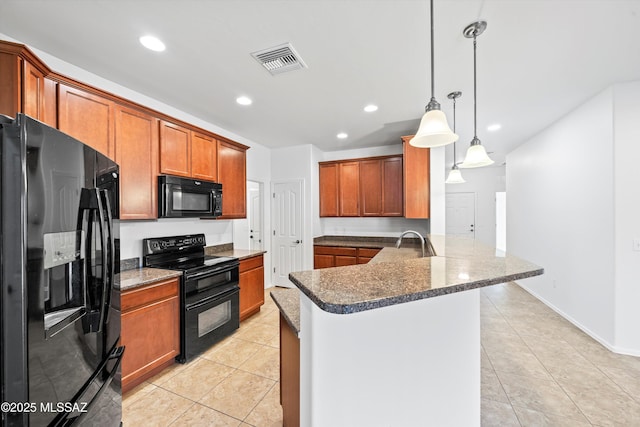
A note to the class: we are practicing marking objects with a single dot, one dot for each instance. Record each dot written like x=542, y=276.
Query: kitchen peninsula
x=396, y=342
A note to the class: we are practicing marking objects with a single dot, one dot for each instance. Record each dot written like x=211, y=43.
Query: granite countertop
x=396, y=276
x=288, y=301
x=365, y=242
x=228, y=250
x=137, y=277
x=240, y=253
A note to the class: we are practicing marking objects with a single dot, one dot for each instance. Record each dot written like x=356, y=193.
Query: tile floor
x=537, y=370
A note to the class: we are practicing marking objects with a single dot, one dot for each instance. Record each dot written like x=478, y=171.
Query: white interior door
x=255, y=216
x=461, y=214
x=287, y=231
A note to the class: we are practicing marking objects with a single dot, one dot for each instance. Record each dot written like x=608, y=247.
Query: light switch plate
x=636, y=244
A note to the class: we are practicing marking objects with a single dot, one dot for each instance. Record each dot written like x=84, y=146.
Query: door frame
x=306, y=235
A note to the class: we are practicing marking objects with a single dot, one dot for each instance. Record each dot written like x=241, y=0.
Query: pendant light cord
x=475, y=95
x=432, y=67
x=454, y=131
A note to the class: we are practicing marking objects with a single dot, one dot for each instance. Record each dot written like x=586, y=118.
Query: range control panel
x=171, y=244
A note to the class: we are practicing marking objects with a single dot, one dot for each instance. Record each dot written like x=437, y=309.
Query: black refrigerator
x=61, y=353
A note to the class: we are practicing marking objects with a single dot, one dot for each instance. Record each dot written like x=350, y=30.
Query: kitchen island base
x=412, y=364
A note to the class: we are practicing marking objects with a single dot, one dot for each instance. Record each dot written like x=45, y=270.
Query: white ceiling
x=537, y=60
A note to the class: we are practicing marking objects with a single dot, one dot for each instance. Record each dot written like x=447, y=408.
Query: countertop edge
x=400, y=299
x=287, y=310
x=143, y=276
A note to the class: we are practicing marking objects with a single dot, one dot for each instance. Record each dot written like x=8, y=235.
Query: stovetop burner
x=185, y=253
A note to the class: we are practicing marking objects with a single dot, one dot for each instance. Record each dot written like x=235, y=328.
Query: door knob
x=297, y=241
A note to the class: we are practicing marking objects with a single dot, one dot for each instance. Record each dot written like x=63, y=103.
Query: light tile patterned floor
x=537, y=370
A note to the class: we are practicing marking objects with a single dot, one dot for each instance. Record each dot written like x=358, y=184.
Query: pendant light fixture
x=455, y=177
x=476, y=154
x=434, y=130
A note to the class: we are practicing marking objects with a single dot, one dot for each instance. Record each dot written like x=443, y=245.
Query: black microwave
x=188, y=198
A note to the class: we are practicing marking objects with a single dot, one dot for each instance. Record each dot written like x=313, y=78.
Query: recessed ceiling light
x=494, y=127
x=152, y=43
x=342, y=135
x=243, y=100
x=371, y=108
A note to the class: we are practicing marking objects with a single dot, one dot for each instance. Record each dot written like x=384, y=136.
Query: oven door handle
x=212, y=298
x=211, y=272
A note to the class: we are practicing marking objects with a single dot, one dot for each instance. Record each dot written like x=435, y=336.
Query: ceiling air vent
x=279, y=59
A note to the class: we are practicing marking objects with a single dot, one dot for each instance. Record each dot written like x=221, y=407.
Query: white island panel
x=411, y=364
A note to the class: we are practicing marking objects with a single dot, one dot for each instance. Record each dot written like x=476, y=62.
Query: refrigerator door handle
x=111, y=246
x=105, y=257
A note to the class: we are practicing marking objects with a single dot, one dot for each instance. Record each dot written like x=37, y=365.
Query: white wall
x=560, y=215
x=627, y=216
x=484, y=182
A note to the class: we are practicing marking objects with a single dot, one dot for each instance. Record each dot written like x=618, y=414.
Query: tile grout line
x=543, y=365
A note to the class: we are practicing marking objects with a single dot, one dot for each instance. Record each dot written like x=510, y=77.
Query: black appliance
x=183, y=198
x=210, y=295
x=60, y=357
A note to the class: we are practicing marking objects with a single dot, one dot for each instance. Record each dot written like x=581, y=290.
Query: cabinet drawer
x=334, y=250
x=368, y=252
x=251, y=263
x=149, y=294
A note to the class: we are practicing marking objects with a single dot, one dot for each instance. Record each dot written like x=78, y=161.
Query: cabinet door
x=204, y=157
x=349, y=188
x=251, y=290
x=232, y=175
x=150, y=330
x=392, y=187
x=342, y=260
x=416, y=180
x=323, y=261
x=175, y=149
x=10, y=84
x=371, y=187
x=87, y=117
x=137, y=155
x=32, y=91
x=328, y=189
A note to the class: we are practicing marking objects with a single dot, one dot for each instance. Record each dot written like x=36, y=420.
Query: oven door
x=210, y=319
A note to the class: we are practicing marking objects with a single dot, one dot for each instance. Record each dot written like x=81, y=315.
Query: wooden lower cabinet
x=289, y=375
x=251, y=286
x=150, y=330
x=338, y=256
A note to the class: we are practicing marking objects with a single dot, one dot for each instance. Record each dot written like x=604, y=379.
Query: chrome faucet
x=422, y=240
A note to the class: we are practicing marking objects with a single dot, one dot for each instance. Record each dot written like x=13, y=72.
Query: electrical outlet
x=636, y=244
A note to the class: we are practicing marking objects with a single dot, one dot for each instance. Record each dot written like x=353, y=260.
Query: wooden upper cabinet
x=416, y=180
x=32, y=91
x=137, y=155
x=371, y=187
x=204, y=156
x=232, y=174
x=349, y=188
x=25, y=89
x=392, y=200
x=328, y=189
x=175, y=149
x=361, y=187
x=87, y=117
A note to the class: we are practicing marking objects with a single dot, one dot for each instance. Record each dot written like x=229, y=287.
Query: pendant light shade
x=434, y=131
x=476, y=154
x=455, y=177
